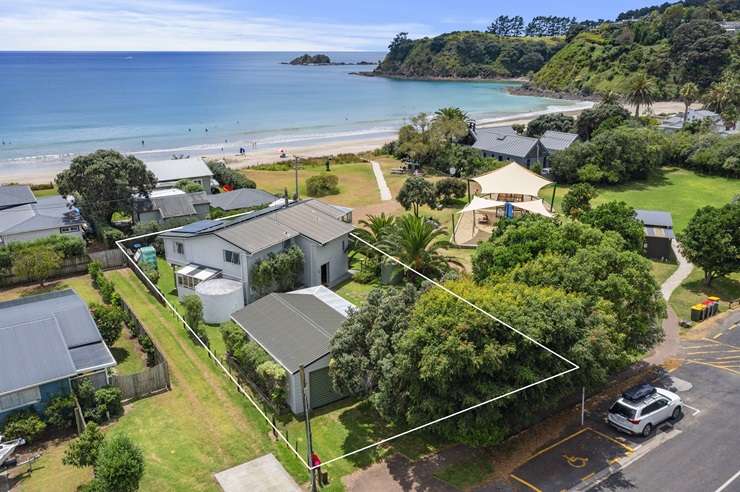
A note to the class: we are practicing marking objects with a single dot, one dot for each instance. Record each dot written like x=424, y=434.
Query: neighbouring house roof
x=46, y=213
x=242, y=198
x=512, y=179
x=676, y=122
x=657, y=218
x=501, y=130
x=513, y=145
x=294, y=328
x=177, y=169
x=554, y=141
x=46, y=338
x=14, y=195
x=173, y=205
x=264, y=228
x=335, y=211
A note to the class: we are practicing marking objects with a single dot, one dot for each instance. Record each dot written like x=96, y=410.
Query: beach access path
x=385, y=192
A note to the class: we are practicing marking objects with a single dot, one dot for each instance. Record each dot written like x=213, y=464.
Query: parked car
x=642, y=408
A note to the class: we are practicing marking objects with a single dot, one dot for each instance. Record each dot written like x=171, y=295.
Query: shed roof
x=46, y=338
x=173, y=205
x=177, y=169
x=294, y=328
x=242, y=198
x=657, y=218
x=554, y=141
x=512, y=145
x=14, y=195
x=47, y=213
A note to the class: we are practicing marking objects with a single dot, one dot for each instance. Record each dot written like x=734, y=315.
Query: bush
x=147, y=346
x=188, y=186
x=98, y=404
x=229, y=177
x=110, y=235
x=106, y=288
x=322, y=185
x=36, y=263
x=84, y=450
x=119, y=465
x=278, y=271
x=233, y=336
x=60, y=412
x=578, y=199
x=447, y=189
x=273, y=378
x=26, y=424
x=152, y=274
x=95, y=269
x=249, y=356
x=109, y=320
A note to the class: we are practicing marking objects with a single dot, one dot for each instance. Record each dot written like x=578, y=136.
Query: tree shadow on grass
x=120, y=354
x=38, y=289
x=364, y=427
x=725, y=288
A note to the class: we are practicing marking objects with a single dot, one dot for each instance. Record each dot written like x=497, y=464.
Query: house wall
x=317, y=255
x=204, y=181
x=295, y=397
x=31, y=235
x=48, y=391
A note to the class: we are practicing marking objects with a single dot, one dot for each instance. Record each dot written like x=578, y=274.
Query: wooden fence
x=109, y=258
x=147, y=382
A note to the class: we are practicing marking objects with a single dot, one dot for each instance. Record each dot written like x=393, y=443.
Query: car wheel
x=647, y=430
x=676, y=413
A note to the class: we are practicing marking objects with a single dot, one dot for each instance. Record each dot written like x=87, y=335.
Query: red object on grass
x=315, y=460
x=228, y=187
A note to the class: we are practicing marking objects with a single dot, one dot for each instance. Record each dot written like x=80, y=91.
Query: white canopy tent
x=533, y=206
x=512, y=179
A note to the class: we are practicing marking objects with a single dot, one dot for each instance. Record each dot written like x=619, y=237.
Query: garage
x=321, y=391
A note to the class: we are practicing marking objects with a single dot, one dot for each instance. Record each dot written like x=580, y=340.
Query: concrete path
x=264, y=474
x=684, y=270
x=385, y=192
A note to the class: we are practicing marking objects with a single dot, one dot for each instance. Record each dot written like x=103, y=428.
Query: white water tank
x=221, y=297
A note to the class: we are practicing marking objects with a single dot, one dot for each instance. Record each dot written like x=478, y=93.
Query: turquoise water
x=56, y=105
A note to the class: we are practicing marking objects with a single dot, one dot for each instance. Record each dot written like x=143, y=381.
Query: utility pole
x=296, y=177
x=309, y=437
x=583, y=404
x=552, y=200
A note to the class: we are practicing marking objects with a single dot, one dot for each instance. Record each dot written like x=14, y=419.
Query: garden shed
x=295, y=329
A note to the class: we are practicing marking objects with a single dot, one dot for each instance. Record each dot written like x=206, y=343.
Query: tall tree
x=689, y=93
x=640, y=91
x=415, y=192
x=578, y=199
x=105, y=182
x=620, y=218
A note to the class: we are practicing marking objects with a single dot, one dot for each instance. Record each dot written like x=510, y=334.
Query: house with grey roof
x=162, y=205
x=502, y=145
x=556, y=141
x=46, y=341
x=675, y=123
x=658, y=229
x=242, y=198
x=39, y=218
x=15, y=195
x=231, y=248
x=169, y=172
x=296, y=329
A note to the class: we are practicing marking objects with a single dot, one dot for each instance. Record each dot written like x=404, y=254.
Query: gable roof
x=512, y=145
x=14, y=195
x=554, y=141
x=47, y=213
x=242, y=198
x=257, y=234
x=177, y=169
x=655, y=218
x=46, y=338
x=176, y=205
x=294, y=328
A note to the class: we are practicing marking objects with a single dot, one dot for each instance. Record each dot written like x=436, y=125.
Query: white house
x=171, y=171
x=25, y=218
x=230, y=248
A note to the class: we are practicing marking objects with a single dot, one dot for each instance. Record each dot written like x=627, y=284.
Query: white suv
x=642, y=408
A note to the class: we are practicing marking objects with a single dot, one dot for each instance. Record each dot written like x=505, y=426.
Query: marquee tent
x=512, y=179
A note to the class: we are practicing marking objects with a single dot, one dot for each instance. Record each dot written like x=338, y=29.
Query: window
x=231, y=257
x=64, y=230
x=179, y=248
x=20, y=399
x=187, y=282
x=653, y=407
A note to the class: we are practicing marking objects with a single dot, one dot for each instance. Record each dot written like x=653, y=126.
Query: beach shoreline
x=46, y=174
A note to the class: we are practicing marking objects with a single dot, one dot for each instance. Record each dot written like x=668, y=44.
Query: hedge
x=66, y=246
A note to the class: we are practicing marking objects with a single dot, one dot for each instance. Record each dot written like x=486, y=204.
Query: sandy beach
x=43, y=174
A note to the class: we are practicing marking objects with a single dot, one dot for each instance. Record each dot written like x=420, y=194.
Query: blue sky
x=274, y=25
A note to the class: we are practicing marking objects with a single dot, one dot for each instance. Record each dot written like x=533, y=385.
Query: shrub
x=322, y=185
x=230, y=177
x=249, y=356
x=119, y=465
x=233, y=336
x=106, y=288
x=188, y=186
x=60, y=412
x=109, y=320
x=447, y=189
x=110, y=398
x=152, y=274
x=147, y=346
x=273, y=378
x=36, y=263
x=110, y=235
x=103, y=402
x=578, y=199
x=278, y=271
x=95, y=269
x=26, y=424
x=84, y=450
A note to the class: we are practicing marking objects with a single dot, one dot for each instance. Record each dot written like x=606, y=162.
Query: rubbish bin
x=697, y=312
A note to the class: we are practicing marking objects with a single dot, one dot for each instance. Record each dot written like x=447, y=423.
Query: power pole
x=296, y=177
x=309, y=437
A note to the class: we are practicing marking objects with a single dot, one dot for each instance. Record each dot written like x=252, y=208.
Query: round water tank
x=221, y=297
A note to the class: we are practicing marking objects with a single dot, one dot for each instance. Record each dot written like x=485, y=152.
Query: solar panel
x=199, y=226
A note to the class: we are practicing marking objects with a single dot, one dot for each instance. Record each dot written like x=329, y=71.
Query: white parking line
x=696, y=410
x=729, y=482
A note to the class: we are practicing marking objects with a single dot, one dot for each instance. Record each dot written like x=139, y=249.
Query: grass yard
x=467, y=473
x=675, y=190
x=356, y=183
x=662, y=270
x=693, y=290
x=200, y=427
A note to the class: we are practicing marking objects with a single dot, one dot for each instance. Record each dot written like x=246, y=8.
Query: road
x=705, y=456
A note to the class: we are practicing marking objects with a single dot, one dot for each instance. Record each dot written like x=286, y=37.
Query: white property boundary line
x=574, y=366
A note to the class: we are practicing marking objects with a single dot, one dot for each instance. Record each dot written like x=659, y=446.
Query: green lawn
x=693, y=290
x=354, y=292
x=200, y=427
x=678, y=191
x=662, y=270
x=467, y=473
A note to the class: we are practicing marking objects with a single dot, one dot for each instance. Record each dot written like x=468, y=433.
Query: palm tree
x=720, y=96
x=416, y=242
x=450, y=113
x=610, y=97
x=689, y=93
x=641, y=90
x=374, y=230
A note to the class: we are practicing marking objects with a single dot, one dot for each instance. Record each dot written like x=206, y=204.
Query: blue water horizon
x=54, y=105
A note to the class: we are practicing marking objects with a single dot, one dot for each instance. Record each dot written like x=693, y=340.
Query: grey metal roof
x=312, y=223
x=177, y=169
x=48, y=337
x=242, y=198
x=169, y=206
x=335, y=211
x=257, y=234
x=664, y=232
x=295, y=329
x=554, y=141
x=513, y=145
x=654, y=218
x=501, y=130
x=46, y=213
x=14, y=195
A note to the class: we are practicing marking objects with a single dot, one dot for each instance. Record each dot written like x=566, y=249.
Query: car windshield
x=623, y=410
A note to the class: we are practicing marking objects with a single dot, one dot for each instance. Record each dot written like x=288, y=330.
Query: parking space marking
x=718, y=335
x=696, y=410
x=691, y=361
x=721, y=343
x=729, y=482
x=588, y=476
x=558, y=443
x=628, y=448
x=729, y=357
x=521, y=480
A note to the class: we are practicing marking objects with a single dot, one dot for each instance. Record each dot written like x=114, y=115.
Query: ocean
x=55, y=105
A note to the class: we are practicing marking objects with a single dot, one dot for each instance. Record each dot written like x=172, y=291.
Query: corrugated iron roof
x=46, y=213
x=243, y=198
x=14, y=195
x=512, y=145
x=177, y=169
x=554, y=141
